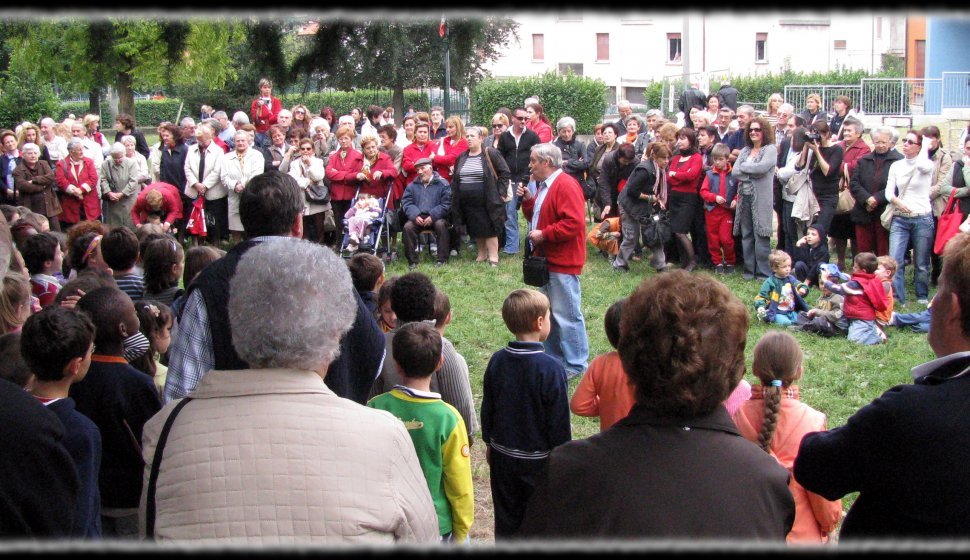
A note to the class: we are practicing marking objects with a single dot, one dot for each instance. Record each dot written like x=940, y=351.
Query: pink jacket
x=815, y=517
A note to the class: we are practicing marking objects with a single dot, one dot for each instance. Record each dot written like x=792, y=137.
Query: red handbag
x=196, y=225
x=948, y=225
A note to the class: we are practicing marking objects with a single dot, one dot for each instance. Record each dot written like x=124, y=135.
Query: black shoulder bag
x=153, y=476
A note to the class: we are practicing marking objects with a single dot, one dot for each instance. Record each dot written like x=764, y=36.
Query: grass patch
x=840, y=376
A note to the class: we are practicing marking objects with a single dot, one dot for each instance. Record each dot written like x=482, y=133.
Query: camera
x=812, y=136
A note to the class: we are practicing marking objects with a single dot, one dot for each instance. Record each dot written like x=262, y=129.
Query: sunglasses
x=753, y=130
x=910, y=142
x=522, y=118
x=306, y=149
x=497, y=125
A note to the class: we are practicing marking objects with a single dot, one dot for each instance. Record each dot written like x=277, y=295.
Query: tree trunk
x=397, y=101
x=94, y=101
x=126, y=97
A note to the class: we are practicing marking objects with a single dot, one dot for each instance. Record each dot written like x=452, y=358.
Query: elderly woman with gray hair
x=119, y=187
x=334, y=472
x=755, y=172
x=33, y=178
x=574, y=160
x=130, y=143
x=77, y=179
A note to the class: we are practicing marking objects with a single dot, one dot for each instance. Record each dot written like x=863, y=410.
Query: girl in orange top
x=605, y=389
x=777, y=421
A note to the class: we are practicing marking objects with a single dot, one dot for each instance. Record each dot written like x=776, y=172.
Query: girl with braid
x=776, y=420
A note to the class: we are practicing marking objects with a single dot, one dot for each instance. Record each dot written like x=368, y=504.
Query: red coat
x=388, y=174
x=410, y=155
x=262, y=116
x=67, y=175
x=343, y=174
x=543, y=130
x=850, y=156
x=688, y=173
x=444, y=163
x=562, y=220
x=171, y=203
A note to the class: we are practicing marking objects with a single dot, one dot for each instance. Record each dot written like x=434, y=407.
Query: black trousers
x=411, y=231
x=513, y=481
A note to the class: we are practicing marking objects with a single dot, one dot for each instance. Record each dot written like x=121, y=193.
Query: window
x=538, y=46
x=919, y=71
x=673, y=47
x=761, y=47
x=602, y=46
x=840, y=44
x=574, y=67
x=636, y=95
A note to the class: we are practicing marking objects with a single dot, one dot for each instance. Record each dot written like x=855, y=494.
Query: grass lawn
x=840, y=377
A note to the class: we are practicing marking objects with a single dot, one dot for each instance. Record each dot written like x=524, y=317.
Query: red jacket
x=562, y=220
x=410, y=155
x=864, y=306
x=67, y=175
x=343, y=174
x=688, y=173
x=543, y=130
x=263, y=117
x=171, y=203
x=850, y=156
x=444, y=163
x=221, y=144
x=388, y=174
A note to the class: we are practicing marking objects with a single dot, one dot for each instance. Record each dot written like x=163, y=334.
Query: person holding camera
x=826, y=163
x=264, y=110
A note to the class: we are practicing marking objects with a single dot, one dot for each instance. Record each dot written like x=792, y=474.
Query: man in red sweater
x=557, y=228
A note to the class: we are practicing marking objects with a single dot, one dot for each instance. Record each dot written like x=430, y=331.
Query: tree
x=124, y=54
x=399, y=54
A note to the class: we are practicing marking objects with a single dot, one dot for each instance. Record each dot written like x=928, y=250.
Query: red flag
x=443, y=28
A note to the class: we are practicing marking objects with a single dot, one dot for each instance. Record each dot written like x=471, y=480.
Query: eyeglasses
x=910, y=142
x=521, y=118
x=306, y=149
x=753, y=130
x=497, y=125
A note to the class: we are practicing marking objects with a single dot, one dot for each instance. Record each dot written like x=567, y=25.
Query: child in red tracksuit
x=719, y=190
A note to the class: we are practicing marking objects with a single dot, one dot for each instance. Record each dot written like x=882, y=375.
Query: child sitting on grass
x=605, y=389
x=826, y=318
x=436, y=428
x=777, y=421
x=885, y=272
x=864, y=296
x=782, y=295
x=810, y=252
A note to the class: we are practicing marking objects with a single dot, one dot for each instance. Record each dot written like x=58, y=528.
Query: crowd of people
x=157, y=386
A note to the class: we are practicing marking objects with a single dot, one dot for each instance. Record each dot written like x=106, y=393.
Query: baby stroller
x=378, y=238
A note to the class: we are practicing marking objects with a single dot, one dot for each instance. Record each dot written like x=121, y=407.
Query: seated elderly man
x=426, y=203
x=270, y=455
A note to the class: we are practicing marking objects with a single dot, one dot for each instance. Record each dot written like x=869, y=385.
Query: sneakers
x=439, y=264
x=729, y=269
x=719, y=269
x=434, y=248
x=453, y=253
x=923, y=301
x=747, y=276
x=620, y=268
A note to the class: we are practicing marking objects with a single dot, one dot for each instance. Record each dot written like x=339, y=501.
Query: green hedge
x=148, y=112
x=583, y=99
x=24, y=100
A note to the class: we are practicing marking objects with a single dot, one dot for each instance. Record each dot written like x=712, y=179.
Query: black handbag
x=535, y=269
x=655, y=229
x=317, y=193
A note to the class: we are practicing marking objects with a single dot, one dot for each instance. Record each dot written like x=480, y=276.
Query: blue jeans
x=917, y=231
x=785, y=318
x=567, y=339
x=511, y=227
x=864, y=332
x=919, y=321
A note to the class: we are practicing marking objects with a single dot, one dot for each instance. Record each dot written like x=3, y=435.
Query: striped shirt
x=132, y=284
x=471, y=171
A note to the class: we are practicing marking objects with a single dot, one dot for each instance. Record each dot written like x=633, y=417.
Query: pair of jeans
x=864, y=332
x=567, y=339
x=917, y=231
x=511, y=227
x=918, y=322
x=785, y=318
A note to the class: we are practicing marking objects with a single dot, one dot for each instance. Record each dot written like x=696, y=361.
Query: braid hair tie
x=776, y=382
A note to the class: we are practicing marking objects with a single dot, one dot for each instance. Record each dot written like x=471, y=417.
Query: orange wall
x=915, y=30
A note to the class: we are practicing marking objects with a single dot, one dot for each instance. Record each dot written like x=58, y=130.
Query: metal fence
x=459, y=101
x=893, y=96
x=798, y=94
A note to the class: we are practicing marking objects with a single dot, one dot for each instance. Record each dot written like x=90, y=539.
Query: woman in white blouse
x=144, y=175
x=308, y=170
x=238, y=167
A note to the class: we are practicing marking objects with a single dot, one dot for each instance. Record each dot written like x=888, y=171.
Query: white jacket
x=213, y=159
x=275, y=457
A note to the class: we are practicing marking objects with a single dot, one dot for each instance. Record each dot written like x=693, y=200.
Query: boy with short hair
x=119, y=249
x=885, y=271
x=525, y=408
x=367, y=273
x=605, y=389
x=436, y=428
x=56, y=345
x=810, y=252
x=782, y=295
x=442, y=311
x=119, y=399
x=864, y=296
x=826, y=318
x=43, y=257
x=719, y=191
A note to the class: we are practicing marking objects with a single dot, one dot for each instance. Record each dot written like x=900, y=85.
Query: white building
x=628, y=51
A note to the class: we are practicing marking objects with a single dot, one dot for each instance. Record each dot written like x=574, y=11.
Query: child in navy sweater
x=525, y=408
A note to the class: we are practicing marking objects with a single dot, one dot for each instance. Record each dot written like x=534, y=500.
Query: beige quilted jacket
x=275, y=457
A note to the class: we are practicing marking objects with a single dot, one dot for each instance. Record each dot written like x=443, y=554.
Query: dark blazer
x=660, y=477
x=608, y=181
x=958, y=183
x=495, y=188
x=6, y=172
x=517, y=158
x=864, y=183
x=905, y=453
